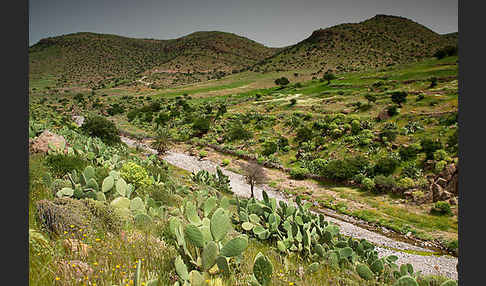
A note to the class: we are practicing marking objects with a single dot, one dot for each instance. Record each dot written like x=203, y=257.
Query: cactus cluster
x=219, y=181
x=294, y=228
x=203, y=242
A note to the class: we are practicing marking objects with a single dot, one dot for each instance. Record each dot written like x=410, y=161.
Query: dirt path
x=429, y=264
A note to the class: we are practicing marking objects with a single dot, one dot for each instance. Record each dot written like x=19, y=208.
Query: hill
x=101, y=60
x=379, y=41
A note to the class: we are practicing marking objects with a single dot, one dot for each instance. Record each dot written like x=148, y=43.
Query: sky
x=274, y=23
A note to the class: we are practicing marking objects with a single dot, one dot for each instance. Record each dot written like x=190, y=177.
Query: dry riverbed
x=426, y=261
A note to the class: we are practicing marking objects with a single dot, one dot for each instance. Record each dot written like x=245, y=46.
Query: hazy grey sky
x=275, y=23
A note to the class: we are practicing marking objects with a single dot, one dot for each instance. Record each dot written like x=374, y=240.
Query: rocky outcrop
x=42, y=142
x=445, y=185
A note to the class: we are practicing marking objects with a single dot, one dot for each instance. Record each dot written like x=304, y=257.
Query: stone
x=441, y=182
x=78, y=120
x=41, y=143
x=453, y=201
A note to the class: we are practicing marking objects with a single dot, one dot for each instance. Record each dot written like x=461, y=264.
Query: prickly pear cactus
x=262, y=269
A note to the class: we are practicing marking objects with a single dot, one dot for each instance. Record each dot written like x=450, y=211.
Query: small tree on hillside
x=371, y=98
x=399, y=97
x=329, y=76
x=283, y=81
x=254, y=174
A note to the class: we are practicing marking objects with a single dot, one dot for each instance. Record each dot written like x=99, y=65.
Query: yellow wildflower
x=57, y=278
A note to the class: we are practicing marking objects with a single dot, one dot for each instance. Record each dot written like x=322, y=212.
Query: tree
x=283, y=81
x=98, y=126
x=162, y=141
x=329, y=76
x=399, y=97
x=254, y=174
x=371, y=98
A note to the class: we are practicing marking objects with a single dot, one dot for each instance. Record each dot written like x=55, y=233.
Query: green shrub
x=392, y=110
x=411, y=170
x=303, y=134
x=225, y=162
x=269, y=147
x=61, y=164
x=203, y=154
x=135, y=174
x=440, y=155
x=298, y=173
x=439, y=166
x=237, y=131
x=452, y=142
x=386, y=165
x=368, y=184
x=399, y=97
x=384, y=183
x=441, y=208
x=410, y=152
x=340, y=170
x=405, y=183
x=98, y=126
x=200, y=126
x=429, y=146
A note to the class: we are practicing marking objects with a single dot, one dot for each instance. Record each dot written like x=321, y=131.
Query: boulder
x=442, y=182
x=78, y=120
x=41, y=143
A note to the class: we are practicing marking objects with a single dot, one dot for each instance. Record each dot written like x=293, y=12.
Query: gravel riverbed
x=429, y=264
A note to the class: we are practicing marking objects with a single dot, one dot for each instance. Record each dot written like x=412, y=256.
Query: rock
x=441, y=182
x=445, y=195
x=453, y=201
x=448, y=172
x=346, y=111
x=41, y=143
x=75, y=246
x=436, y=192
x=78, y=120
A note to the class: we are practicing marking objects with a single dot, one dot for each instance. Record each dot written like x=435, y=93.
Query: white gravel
x=429, y=264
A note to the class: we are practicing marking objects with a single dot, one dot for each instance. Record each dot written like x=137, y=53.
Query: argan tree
x=399, y=97
x=254, y=174
x=329, y=76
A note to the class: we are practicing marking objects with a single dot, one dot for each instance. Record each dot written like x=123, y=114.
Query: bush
x=392, y=110
x=388, y=134
x=440, y=155
x=386, y=165
x=399, y=97
x=411, y=170
x=60, y=164
x=429, y=146
x=269, y=147
x=346, y=169
x=370, y=97
x=283, y=81
x=420, y=97
x=303, y=134
x=293, y=101
x=405, y=183
x=135, y=174
x=225, y=162
x=368, y=184
x=238, y=132
x=102, y=128
x=200, y=126
x=410, y=152
x=298, y=173
x=441, y=208
x=203, y=154
x=384, y=183
x=453, y=142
